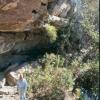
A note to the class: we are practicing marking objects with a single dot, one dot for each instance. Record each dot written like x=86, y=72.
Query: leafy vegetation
x=52, y=60
x=91, y=84
x=75, y=64
x=49, y=83
x=51, y=32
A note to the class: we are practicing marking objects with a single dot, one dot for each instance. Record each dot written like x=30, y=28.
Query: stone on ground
x=11, y=78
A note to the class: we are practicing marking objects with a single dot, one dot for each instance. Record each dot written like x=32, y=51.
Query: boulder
x=11, y=78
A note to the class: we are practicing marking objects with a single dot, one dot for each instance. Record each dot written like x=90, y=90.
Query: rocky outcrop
x=16, y=15
x=16, y=48
x=22, y=15
x=22, y=31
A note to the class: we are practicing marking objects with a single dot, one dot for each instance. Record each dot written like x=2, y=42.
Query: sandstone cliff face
x=21, y=22
x=22, y=15
x=16, y=15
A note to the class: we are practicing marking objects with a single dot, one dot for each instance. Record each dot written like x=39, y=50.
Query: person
x=22, y=87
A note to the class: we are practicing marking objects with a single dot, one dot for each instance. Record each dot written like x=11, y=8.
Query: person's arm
x=25, y=84
x=17, y=85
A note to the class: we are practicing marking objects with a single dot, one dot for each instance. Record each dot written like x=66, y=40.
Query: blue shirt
x=22, y=84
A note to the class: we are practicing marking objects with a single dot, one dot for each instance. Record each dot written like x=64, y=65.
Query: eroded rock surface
x=21, y=15
x=22, y=30
x=11, y=78
x=15, y=15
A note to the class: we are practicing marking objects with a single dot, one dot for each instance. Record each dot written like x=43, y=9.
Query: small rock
x=3, y=92
x=12, y=95
x=1, y=96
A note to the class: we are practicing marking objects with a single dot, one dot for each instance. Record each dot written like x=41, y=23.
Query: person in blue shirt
x=22, y=87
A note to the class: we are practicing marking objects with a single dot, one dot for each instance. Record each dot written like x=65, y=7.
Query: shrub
x=49, y=83
x=51, y=32
x=89, y=80
x=52, y=60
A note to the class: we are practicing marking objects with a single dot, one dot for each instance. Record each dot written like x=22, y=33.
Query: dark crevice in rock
x=26, y=36
x=43, y=4
x=25, y=56
x=34, y=11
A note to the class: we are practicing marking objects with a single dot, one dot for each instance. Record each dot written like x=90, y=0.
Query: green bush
x=89, y=80
x=90, y=19
x=52, y=60
x=51, y=32
x=49, y=84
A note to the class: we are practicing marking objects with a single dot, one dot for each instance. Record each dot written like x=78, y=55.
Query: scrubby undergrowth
x=75, y=63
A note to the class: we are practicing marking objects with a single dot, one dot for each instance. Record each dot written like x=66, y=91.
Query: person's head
x=21, y=76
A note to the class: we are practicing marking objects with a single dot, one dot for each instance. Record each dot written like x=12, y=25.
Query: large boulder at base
x=11, y=78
